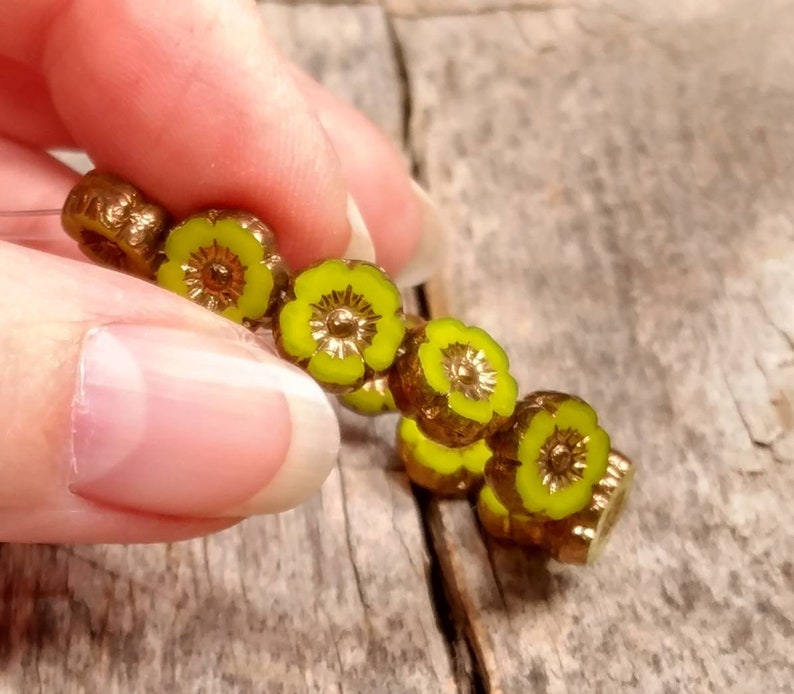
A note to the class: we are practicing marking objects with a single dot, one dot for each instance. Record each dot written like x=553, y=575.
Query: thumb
x=128, y=414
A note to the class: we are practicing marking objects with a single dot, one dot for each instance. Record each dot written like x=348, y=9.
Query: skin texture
x=113, y=79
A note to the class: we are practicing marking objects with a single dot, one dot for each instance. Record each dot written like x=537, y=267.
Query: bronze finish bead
x=457, y=484
x=272, y=258
x=416, y=398
x=581, y=538
x=525, y=531
x=114, y=224
x=500, y=472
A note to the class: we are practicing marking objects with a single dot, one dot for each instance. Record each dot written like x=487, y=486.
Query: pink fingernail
x=183, y=424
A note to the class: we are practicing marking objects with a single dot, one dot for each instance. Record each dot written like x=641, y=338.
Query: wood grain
x=618, y=182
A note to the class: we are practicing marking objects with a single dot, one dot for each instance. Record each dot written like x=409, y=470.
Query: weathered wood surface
x=622, y=186
x=618, y=177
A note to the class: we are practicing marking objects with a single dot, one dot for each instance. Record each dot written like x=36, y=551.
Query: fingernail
x=360, y=246
x=75, y=159
x=191, y=425
x=426, y=260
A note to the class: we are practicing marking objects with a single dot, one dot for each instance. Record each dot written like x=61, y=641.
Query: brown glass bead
x=503, y=525
x=114, y=224
x=445, y=471
x=547, y=462
x=453, y=380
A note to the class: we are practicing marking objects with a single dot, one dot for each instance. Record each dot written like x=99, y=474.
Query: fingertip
x=191, y=102
x=312, y=452
x=171, y=422
x=403, y=222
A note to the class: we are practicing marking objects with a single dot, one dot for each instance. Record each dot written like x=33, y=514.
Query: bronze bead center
x=216, y=276
x=103, y=248
x=561, y=458
x=466, y=373
x=341, y=323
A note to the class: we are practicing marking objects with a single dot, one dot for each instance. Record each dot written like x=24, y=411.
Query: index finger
x=191, y=102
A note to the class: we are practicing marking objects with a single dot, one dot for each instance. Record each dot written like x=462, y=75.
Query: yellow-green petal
x=476, y=410
x=312, y=284
x=171, y=276
x=376, y=287
x=431, y=359
x=328, y=369
x=369, y=401
x=597, y=460
x=296, y=332
x=481, y=340
x=489, y=500
x=568, y=501
x=409, y=431
x=541, y=427
x=187, y=238
x=239, y=241
x=258, y=286
x=475, y=456
x=576, y=415
x=233, y=313
x=443, y=332
x=440, y=458
x=534, y=494
x=390, y=332
x=505, y=394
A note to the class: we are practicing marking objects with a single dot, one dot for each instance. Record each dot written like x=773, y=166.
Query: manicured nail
x=191, y=425
x=360, y=246
x=426, y=260
x=73, y=158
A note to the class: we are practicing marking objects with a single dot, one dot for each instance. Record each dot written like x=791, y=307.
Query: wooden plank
x=620, y=183
x=333, y=596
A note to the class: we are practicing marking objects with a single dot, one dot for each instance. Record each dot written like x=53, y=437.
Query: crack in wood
x=439, y=10
x=466, y=669
x=470, y=679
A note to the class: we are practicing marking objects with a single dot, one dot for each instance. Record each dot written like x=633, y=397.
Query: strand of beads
x=542, y=468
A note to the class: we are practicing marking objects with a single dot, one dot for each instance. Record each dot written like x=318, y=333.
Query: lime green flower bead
x=343, y=323
x=455, y=381
x=444, y=470
x=225, y=261
x=490, y=501
x=547, y=463
x=373, y=398
x=501, y=524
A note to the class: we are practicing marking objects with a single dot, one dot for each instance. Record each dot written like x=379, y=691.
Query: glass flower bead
x=433, y=466
x=373, y=398
x=581, y=538
x=548, y=460
x=503, y=525
x=342, y=322
x=454, y=380
x=114, y=224
x=226, y=261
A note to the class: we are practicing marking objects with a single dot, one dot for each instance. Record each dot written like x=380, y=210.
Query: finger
x=32, y=180
x=105, y=411
x=401, y=219
x=190, y=101
x=26, y=111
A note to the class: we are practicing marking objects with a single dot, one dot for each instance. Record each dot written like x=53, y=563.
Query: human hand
x=128, y=414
